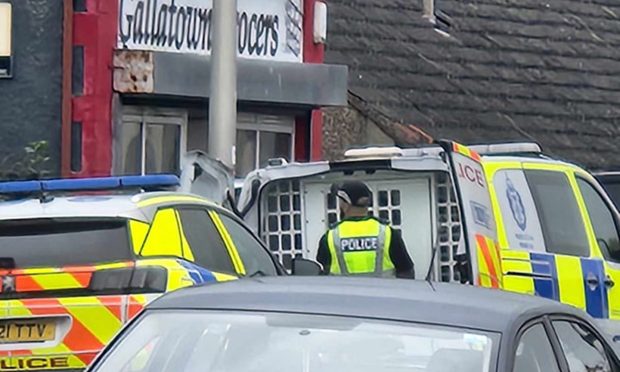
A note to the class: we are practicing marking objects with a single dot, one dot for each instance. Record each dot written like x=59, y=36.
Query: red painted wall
x=95, y=30
x=313, y=53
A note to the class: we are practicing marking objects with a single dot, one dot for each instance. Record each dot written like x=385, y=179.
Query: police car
x=80, y=258
x=500, y=216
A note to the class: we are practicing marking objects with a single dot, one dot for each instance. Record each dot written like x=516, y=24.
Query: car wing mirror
x=305, y=267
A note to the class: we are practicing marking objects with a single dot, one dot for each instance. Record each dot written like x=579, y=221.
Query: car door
x=603, y=228
x=582, y=348
x=256, y=259
x=534, y=351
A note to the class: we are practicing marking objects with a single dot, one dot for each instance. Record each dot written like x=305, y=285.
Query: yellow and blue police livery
x=557, y=231
x=80, y=258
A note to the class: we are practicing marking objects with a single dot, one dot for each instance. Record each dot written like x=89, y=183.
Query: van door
x=476, y=210
x=603, y=228
x=206, y=177
x=545, y=247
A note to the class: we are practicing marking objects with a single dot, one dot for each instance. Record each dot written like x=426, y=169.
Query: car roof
x=390, y=299
x=141, y=206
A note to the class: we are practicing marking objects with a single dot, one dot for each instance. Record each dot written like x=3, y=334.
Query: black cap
x=355, y=193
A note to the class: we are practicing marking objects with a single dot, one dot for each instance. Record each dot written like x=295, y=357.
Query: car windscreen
x=64, y=242
x=199, y=341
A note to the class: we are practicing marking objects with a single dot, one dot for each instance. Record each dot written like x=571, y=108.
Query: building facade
x=132, y=77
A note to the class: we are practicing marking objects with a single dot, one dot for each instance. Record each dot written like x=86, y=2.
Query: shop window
x=260, y=138
x=151, y=142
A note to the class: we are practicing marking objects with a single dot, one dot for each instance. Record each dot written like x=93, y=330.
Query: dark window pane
x=583, y=350
x=396, y=220
x=245, y=152
x=297, y=222
x=131, y=143
x=557, y=208
x=285, y=203
x=395, y=195
x=272, y=203
x=274, y=145
x=273, y=223
x=162, y=148
x=204, y=241
x=286, y=243
x=285, y=222
x=254, y=256
x=383, y=198
x=57, y=243
x=534, y=353
x=76, y=146
x=602, y=220
x=613, y=190
x=274, y=242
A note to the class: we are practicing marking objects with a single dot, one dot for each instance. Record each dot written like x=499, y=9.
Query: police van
x=500, y=216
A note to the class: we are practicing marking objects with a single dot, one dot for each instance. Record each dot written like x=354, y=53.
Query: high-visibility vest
x=360, y=247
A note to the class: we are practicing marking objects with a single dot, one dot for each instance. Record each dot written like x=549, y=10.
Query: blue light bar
x=152, y=180
x=19, y=187
x=77, y=184
x=89, y=184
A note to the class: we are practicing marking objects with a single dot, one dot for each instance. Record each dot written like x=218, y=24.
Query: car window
x=602, y=219
x=584, y=351
x=227, y=341
x=89, y=241
x=561, y=220
x=204, y=241
x=534, y=352
x=254, y=256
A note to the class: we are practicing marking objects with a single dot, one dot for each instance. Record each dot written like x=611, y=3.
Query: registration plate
x=27, y=330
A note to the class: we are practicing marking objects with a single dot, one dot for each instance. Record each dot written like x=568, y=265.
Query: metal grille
x=449, y=229
x=385, y=204
x=282, y=227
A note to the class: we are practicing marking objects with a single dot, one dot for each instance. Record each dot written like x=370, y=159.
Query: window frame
x=258, y=123
x=551, y=336
x=280, y=270
x=146, y=116
x=609, y=350
x=610, y=206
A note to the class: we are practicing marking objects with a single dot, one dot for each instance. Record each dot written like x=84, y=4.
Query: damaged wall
x=346, y=127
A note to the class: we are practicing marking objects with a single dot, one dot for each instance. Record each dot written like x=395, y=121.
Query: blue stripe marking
x=198, y=274
x=544, y=265
x=596, y=298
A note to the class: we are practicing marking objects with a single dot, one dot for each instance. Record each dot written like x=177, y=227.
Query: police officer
x=360, y=244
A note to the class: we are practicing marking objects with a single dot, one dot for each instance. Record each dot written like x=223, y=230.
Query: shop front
x=161, y=84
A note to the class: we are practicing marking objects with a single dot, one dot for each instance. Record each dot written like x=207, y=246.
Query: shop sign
x=6, y=37
x=267, y=29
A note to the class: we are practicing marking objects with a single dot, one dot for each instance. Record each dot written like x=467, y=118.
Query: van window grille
x=282, y=226
x=384, y=204
x=449, y=229
x=283, y=222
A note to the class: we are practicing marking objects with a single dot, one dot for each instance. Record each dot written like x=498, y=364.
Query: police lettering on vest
x=359, y=244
